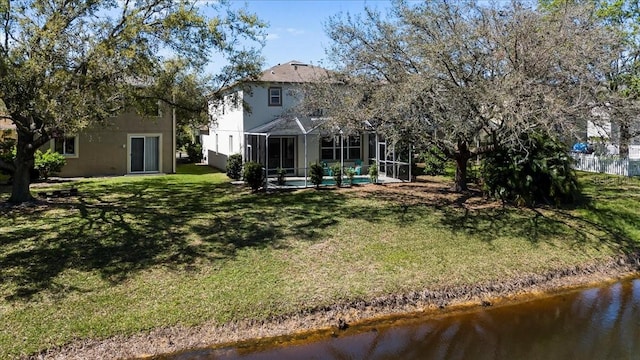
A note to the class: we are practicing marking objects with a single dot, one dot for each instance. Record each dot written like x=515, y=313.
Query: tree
x=66, y=65
x=462, y=76
x=619, y=97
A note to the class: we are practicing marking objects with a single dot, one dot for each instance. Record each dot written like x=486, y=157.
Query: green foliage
x=183, y=137
x=281, y=178
x=316, y=173
x=351, y=173
x=336, y=169
x=373, y=173
x=253, y=175
x=538, y=172
x=434, y=161
x=49, y=163
x=7, y=154
x=194, y=152
x=234, y=166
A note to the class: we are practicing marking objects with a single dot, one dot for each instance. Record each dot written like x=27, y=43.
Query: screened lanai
x=292, y=144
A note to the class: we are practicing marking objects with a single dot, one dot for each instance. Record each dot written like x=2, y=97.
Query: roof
x=294, y=72
x=288, y=126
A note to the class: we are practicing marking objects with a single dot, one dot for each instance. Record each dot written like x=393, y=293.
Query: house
x=604, y=135
x=127, y=144
x=257, y=119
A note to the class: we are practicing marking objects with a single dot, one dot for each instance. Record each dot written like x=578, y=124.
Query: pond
x=596, y=323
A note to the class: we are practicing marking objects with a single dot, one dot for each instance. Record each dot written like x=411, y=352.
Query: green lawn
x=135, y=253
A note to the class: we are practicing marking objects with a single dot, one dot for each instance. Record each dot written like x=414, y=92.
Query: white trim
x=144, y=135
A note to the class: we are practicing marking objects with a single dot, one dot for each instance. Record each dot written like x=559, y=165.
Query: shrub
x=253, y=175
x=351, y=173
x=48, y=163
x=316, y=173
x=538, y=172
x=373, y=173
x=234, y=166
x=336, y=169
x=434, y=161
x=194, y=152
x=281, y=178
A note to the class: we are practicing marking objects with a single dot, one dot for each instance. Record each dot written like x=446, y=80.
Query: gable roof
x=294, y=72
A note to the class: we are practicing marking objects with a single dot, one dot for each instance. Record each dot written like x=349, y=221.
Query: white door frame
x=129, y=150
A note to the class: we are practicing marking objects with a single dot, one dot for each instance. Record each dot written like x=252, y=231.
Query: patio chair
x=327, y=169
x=358, y=167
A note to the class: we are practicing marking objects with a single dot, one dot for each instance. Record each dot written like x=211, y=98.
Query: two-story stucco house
x=127, y=144
x=254, y=119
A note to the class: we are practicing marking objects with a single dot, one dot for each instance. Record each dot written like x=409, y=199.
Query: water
x=598, y=323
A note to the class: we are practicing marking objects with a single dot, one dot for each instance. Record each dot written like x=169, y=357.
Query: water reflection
x=601, y=323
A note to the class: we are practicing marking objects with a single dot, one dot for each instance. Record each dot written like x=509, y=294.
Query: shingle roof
x=294, y=72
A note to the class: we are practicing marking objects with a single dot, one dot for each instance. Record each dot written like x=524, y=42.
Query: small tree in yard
x=253, y=175
x=316, y=174
x=234, y=166
x=373, y=173
x=336, y=169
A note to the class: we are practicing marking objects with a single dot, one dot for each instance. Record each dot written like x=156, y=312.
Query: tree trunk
x=462, y=159
x=625, y=139
x=460, y=183
x=25, y=158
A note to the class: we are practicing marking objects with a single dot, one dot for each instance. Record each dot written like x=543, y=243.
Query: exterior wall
x=216, y=146
x=234, y=121
x=105, y=150
x=258, y=100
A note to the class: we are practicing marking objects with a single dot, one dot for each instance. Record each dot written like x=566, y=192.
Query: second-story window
x=275, y=96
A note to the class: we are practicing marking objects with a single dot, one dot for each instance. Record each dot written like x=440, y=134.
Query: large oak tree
x=465, y=76
x=69, y=64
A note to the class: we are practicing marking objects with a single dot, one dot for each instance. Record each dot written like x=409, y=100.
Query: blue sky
x=296, y=27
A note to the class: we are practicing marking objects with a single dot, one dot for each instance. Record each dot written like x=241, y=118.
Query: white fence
x=607, y=165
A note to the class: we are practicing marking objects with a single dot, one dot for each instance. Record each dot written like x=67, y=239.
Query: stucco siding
x=104, y=150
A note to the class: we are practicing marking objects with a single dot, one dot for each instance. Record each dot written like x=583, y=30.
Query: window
x=330, y=148
x=230, y=144
x=275, y=96
x=66, y=146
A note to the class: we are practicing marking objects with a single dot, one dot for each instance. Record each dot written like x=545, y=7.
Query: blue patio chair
x=358, y=167
x=327, y=169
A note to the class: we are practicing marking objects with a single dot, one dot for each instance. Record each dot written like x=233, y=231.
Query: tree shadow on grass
x=487, y=220
x=118, y=229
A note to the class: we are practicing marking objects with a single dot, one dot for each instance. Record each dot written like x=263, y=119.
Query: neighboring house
x=604, y=135
x=127, y=144
x=255, y=119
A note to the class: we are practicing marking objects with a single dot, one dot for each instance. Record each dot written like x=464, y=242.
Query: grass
x=136, y=253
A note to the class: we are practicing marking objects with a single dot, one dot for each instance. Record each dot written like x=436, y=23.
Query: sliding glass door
x=282, y=154
x=145, y=153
